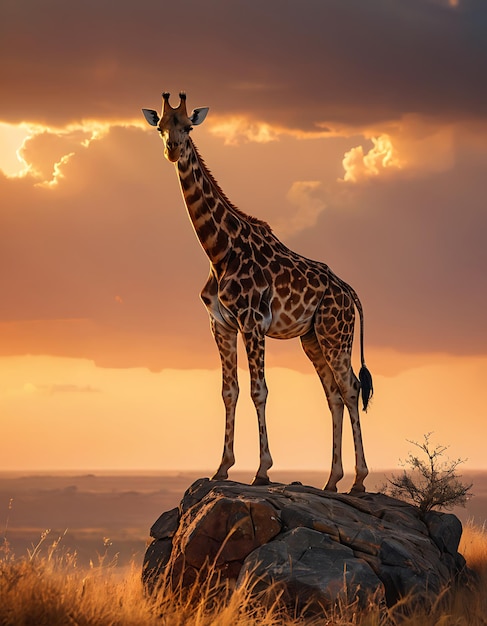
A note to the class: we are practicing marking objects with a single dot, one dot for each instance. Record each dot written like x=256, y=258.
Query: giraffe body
x=259, y=287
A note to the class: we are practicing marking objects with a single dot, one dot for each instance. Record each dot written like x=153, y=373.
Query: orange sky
x=357, y=130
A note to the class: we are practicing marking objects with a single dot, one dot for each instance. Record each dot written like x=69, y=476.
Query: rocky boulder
x=316, y=547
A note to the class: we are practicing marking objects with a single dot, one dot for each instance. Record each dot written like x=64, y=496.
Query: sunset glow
x=359, y=165
x=106, y=357
x=12, y=137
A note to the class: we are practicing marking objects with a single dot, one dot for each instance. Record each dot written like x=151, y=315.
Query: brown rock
x=315, y=545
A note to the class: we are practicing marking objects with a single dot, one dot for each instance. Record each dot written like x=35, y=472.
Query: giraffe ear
x=151, y=116
x=198, y=115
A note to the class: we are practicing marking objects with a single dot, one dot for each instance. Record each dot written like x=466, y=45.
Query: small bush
x=430, y=482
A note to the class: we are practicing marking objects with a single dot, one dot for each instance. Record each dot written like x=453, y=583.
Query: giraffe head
x=175, y=124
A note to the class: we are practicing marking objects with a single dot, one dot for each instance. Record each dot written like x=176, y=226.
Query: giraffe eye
x=187, y=129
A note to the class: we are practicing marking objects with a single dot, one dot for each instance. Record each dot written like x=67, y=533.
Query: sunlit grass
x=46, y=586
x=473, y=546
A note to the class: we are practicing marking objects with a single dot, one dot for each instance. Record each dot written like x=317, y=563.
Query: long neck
x=216, y=221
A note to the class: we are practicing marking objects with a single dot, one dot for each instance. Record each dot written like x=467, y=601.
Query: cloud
x=422, y=145
x=105, y=265
x=360, y=166
x=12, y=137
x=107, y=233
x=102, y=260
x=57, y=172
x=59, y=388
x=410, y=147
x=305, y=197
x=29, y=389
x=43, y=151
x=71, y=388
x=321, y=63
x=412, y=248
x=234, y=130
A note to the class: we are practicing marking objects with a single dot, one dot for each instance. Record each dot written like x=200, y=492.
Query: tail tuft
x=365, y=378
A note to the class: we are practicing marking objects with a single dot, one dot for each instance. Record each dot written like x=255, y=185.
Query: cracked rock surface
x=318, y=547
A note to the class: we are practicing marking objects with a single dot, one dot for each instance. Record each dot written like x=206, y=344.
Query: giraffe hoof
x=260, y=480
x=329, y=488
x=217, y=477
x=356, y=489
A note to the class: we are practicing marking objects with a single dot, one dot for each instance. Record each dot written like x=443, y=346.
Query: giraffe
x=260, y=288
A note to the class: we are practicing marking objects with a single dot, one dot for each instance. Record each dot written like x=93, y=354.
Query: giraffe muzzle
x=173, y=151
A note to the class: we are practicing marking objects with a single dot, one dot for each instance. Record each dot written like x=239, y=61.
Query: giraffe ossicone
x=260, y=288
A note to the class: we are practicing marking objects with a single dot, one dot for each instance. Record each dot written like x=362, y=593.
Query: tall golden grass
x=46, y=587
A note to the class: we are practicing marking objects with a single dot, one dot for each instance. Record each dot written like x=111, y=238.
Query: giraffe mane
x=248, y=218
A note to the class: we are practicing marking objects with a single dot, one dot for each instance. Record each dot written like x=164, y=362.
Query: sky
x=358, y=130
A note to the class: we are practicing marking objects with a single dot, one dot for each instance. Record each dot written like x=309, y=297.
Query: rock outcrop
x=315, y=546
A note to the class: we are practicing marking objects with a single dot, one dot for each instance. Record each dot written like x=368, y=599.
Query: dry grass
x=473, y=546
x=48, y=588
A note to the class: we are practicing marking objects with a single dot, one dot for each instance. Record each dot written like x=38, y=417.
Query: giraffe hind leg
x=349, y=387
x=313, y=351
x=337, y=348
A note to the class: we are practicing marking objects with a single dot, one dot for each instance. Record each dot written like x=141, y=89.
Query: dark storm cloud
x=293, y=63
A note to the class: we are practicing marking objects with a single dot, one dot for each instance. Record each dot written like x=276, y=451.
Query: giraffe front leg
x=226, y=340
x=255, y=347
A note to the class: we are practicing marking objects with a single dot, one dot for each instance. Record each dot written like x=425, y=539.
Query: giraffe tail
x=367, y=387
x=365, y=377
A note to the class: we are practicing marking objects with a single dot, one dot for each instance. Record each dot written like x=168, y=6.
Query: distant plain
x=108, y=515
